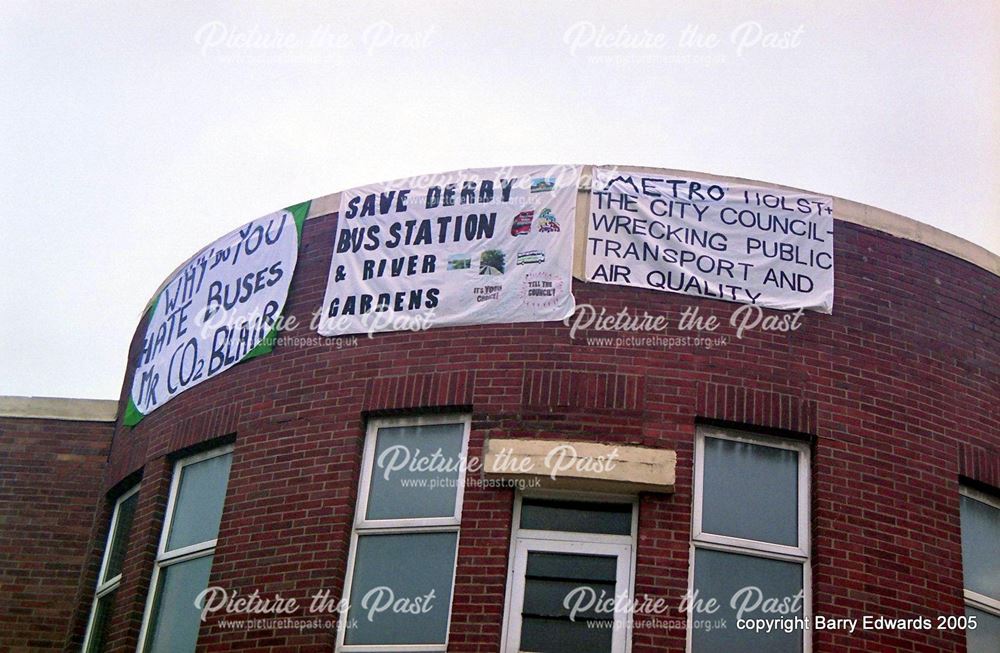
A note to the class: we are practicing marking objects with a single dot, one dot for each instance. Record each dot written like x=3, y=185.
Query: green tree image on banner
x=219, y=309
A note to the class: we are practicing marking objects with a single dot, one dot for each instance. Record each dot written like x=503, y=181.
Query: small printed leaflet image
x=459, y=262
x=522, y=223
x=547, y=222
x=531, y=257
x=492, y=262
x=542, y=184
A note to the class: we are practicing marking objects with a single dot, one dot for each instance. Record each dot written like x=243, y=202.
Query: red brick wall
x=50, y=489
x=897, y=391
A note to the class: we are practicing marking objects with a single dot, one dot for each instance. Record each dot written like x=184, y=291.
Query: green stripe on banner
x=299, y=213
x=132, y=415
x=266, y=346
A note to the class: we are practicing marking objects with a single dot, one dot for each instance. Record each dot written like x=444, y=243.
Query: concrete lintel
x=581, y=465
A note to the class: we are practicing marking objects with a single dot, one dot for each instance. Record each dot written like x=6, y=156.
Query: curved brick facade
x=896, y=391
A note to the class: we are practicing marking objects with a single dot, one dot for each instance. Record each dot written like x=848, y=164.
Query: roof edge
x=74, y=410
x=845, y=210
x=869, y=216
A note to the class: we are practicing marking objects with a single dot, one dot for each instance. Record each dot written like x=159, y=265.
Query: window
x=401, y=567
x=184, y=557
x=110, y=575
x=750, y=535
x=981, y=568
x=572, y=561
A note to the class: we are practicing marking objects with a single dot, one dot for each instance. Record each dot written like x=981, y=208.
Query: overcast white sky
x=134, y=133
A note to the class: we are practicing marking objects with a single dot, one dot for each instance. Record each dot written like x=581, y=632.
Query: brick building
x=849, y=465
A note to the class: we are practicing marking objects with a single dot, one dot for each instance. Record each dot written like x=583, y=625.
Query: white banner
x=220, y=308
x=466, y=247
x=763, y=246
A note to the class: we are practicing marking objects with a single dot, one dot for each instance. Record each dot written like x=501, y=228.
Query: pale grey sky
x=134, y=133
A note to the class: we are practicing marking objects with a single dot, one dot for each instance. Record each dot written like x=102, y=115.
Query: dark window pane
x=981, y=547
x=198, y=506
x=119, y=539
x=560, y=636
x=401, y=567
x=558, y=598
x=750, y=491
x=101, y=614
x=577, y=516
x=732, y=579
x=561, y=595
x=174, y=626
x=985, y=638
x=571, y=566
x=415, y=472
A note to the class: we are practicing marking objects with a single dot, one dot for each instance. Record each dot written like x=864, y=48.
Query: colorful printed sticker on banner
x=476, y=246
x=219, y=309
x=764, y=246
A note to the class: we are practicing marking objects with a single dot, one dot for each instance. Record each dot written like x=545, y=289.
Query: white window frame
x=524, y=540
x=976, y=600
x=164, y=558
x=800, y=553
x=110, y=585
x=409, y=526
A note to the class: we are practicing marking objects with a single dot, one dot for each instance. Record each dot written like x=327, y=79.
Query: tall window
x=110, y=575
x=981, y=569
x=572, y=561
x=401, y=568
x=750, y=538
x=184, y=556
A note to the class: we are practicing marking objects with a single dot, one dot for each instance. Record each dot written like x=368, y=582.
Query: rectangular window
x=401, y=567
x=749, y=539
x=981, y=569
x=572, y=561
x=184, y=557
x=110, y=575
